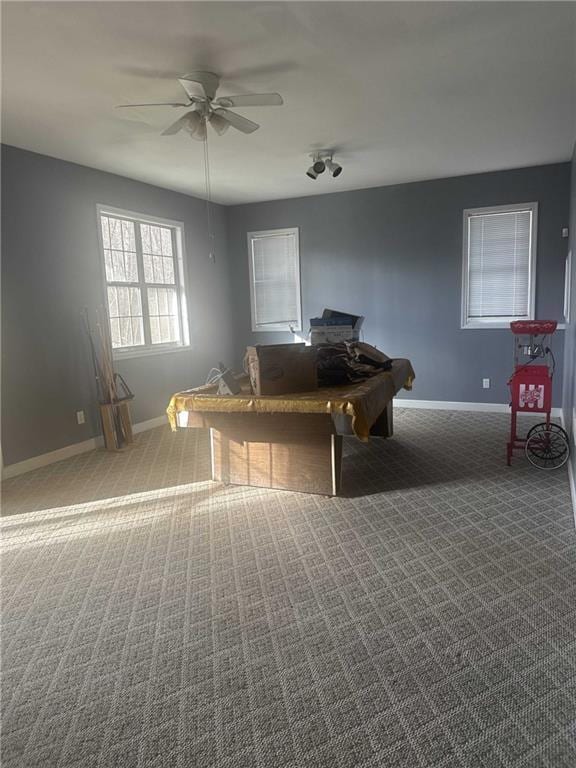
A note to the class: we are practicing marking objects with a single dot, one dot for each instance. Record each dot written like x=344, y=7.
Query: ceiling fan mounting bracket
x=322, y=154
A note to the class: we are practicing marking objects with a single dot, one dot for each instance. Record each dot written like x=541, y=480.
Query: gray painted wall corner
x=394, y=254
x=51, y=271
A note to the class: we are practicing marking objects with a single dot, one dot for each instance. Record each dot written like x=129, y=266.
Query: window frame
x=568, y=267
x=501, y=322
x=274, y=327
x=178, y=249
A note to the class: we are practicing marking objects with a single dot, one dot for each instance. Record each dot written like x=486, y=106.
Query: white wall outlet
x=80, y=418
x=565, y=232
x=485, y=383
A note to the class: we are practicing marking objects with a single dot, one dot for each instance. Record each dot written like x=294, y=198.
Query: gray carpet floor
x=427, y=617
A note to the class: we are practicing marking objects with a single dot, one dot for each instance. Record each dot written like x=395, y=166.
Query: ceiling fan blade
x=251, y=100
x=175, y=127
x=161, y=104
x=208, y=81
x=219, y=123
x=237, y=121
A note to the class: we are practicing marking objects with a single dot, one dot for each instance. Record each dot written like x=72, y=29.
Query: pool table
x=292, y=441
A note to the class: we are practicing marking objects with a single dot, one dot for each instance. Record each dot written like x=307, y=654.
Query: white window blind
x=275, y=280
x=499, y=257
x=143, y=269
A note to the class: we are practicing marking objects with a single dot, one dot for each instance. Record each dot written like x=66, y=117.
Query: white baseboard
x=20, y=467
x=143, y=426
x=449, y=405
x=13, y=470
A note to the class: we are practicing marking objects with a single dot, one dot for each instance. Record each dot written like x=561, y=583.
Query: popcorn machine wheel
x=546, y=445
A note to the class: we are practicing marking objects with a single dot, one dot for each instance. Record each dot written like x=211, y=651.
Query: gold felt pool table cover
x=364, y=402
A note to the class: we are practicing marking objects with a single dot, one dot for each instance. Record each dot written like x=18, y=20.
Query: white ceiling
x=403, y=91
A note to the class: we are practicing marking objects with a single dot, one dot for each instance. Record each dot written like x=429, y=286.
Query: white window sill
x=485, y=326
x=119, y=355
x=501, y=326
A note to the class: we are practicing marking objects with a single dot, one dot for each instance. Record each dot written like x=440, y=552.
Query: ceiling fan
x=206, y=108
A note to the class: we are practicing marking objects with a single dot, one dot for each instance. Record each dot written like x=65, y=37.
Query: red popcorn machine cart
x=546, y=445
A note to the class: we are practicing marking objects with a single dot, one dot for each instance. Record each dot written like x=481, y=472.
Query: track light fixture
x=322, y=160
x=317, y=167
x=333, y=167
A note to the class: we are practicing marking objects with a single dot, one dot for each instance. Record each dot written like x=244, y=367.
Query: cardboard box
x=333, y=334
x=334, y=317
x=280, y=369
x=335, y=327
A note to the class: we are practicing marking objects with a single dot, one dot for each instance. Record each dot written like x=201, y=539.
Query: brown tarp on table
x=363, y=402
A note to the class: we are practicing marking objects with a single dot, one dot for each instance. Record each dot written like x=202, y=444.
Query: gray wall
x=394, y=254
x=569, y=389
x=51, y=270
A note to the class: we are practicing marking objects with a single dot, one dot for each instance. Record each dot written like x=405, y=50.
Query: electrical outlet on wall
x=485, y=383
x=80, y=418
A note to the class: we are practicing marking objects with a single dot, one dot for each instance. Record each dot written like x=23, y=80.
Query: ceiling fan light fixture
x=200, y=133
x=201, y=88
x=192, y=122
x=219, y=124
x=196, y=126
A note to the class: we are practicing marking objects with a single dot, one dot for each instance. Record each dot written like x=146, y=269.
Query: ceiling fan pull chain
x=212, y=255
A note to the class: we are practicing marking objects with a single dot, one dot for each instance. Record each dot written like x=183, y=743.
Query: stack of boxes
x=277, y=369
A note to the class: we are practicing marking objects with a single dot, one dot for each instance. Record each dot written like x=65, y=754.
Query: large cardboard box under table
x=280, y=369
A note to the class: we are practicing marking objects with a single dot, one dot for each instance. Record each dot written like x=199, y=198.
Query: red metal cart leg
x=510, y=446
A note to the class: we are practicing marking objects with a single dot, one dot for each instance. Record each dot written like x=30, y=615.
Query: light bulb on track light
x=319, y=166
x=333, y=167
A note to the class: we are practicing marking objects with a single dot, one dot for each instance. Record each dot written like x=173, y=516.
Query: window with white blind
x=274, y=262
x=498, y=279
x=144, y=274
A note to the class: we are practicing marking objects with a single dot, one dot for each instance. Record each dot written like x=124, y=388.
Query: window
x=144, y=272
x=275, y=280
x=498, y=278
